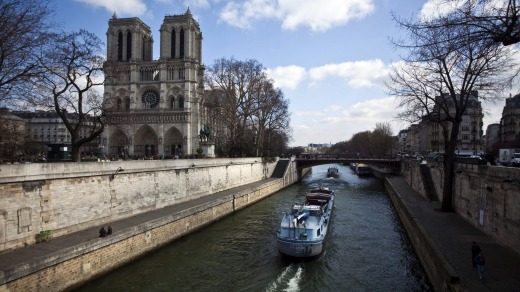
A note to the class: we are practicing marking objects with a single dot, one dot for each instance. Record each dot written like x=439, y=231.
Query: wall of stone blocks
x=80, y=264
x=486, y=196
x=440, y=273
x=67, y=197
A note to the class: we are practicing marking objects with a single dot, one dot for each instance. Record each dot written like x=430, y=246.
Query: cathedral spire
x=188, y=12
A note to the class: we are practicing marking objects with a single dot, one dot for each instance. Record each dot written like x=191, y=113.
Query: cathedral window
x=119, y=104
x=182, y=44
x=181, y=102
x=173, y=44
x=128, y=46
x=172, y=102
x=150, y=98
x=127, y=103
x=120, y=46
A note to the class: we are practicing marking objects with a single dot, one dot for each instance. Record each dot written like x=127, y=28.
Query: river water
x=367, y=248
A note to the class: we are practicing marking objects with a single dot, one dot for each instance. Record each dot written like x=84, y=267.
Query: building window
x=181, y=102
x=181, y=49
x=172, y=102
x=173, y=44
x=127, y=103
x=150, y=98
x=128, y=46
x=120, y=46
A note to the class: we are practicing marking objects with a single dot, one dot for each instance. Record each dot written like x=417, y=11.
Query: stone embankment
x=442, y=240
x=78, y=255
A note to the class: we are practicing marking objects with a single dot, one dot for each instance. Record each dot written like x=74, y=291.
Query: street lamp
x=113, y=175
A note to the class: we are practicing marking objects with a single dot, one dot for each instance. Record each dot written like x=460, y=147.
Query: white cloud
x=288, y=77
x=335, y=123
x=316, y=15
x=121, y=8
x=322, y=15
x=437, y=8
x=243, y=15
x=357, y=74
x=197, y=3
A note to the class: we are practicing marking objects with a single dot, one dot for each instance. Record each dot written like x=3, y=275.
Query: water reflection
x=366, y=249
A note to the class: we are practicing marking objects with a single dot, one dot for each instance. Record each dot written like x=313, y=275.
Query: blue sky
x=330, y=57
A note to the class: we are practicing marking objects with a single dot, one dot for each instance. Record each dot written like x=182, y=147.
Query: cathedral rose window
x=150, y=98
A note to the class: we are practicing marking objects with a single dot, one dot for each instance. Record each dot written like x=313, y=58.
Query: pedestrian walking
x=480, y=261
x=109, y=230
x=475, y=250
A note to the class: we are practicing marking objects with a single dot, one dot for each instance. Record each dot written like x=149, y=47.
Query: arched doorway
x=119, y=144
x=173, y=142
x=145, y=142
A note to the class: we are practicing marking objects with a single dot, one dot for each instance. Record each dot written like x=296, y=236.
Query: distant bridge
x=309, y=160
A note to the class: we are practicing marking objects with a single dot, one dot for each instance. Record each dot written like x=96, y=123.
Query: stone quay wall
x=486, y=196
x=68, y=197
x=78, y=264
x=438, y=269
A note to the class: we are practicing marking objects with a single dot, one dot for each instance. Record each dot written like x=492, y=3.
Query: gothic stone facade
x=155, y=104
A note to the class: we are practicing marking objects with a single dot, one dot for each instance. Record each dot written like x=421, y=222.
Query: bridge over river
x=309, y=160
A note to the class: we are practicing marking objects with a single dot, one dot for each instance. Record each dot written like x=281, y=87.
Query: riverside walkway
x=451, y=234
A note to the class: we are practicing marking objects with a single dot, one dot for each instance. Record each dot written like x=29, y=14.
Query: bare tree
x=381, y=139
x=438, y=79
x=271, y=115
x=359, y=144
x=24, y=31
x=73, y=75
x=12, y=136
x=248, y=105
x=495, y=21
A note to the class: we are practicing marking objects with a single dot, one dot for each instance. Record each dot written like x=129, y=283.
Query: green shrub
x=43, y=236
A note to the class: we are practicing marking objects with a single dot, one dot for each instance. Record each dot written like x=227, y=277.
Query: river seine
x=367, y=248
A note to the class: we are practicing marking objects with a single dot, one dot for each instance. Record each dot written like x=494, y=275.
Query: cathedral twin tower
x=154, y=104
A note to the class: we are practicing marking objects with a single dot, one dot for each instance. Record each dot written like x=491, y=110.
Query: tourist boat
x=333, y=172
x=353, y=166
x=303, y=230
x=363, y=170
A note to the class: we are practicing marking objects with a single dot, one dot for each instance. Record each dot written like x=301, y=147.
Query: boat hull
x=299, y=249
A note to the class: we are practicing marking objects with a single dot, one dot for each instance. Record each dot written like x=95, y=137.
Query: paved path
x=453, y=235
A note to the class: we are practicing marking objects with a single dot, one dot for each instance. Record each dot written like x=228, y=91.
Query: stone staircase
x=428, y=183
x=281, y=167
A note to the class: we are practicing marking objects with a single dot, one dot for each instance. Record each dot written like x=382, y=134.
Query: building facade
x=469, y=139
x=510, y=122
x=427, y=136
x=45, y=130
x=491, y=136
x=154, y=104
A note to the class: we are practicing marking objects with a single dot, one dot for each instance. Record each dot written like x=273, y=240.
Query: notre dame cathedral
x=155, y=104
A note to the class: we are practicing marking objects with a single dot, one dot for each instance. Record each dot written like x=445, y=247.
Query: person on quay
x=480, y=262
x=475, y=250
